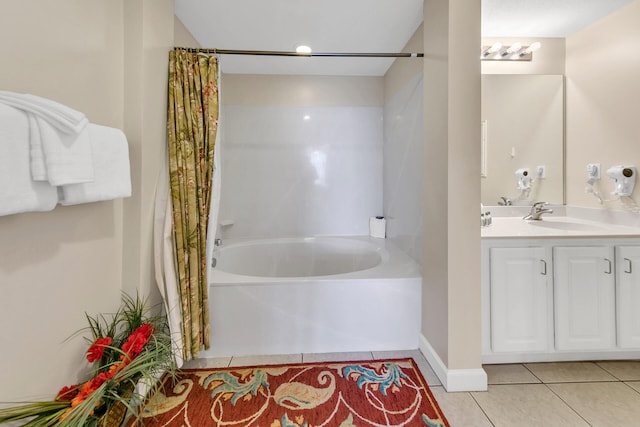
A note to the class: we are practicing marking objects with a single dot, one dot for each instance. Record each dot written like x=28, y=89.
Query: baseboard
x=453, y=379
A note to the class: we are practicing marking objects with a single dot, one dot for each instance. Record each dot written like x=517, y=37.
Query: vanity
x=561, y=288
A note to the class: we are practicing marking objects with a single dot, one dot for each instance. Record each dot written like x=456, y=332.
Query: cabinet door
x=519, y=299
x=584, y=298
x=628, y=289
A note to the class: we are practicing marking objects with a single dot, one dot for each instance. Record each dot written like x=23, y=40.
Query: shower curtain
x=183, y=223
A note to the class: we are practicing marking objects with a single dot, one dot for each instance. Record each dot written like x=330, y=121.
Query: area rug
x=342, y=394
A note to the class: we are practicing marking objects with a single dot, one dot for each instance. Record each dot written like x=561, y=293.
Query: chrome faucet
x=505, y=201
x=537, y=210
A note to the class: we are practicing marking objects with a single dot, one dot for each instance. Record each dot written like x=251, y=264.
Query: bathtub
x=312, y=295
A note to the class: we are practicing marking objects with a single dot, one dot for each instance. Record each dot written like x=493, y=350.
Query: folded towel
x=112, y=176
x=18, y=193
x=59, y=147
x=60, y=116
x=36, y=153
x=67, y=156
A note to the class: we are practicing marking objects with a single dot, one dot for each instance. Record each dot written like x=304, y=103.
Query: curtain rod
x=284, y=53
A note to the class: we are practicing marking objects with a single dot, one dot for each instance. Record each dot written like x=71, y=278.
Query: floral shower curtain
x=192, y=126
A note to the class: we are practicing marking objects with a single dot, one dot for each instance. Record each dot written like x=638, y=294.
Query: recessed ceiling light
x=302, y=49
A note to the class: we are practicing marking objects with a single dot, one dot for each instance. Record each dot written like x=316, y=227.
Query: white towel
x=67, y=156
x=36, y=154
x=60, y=116
x=112, y=176
x=60, y=150
x=18, y=193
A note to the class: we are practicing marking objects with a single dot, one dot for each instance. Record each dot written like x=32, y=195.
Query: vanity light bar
x=514, y=52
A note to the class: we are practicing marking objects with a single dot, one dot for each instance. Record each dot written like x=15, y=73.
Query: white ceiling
x=357, y=26
x=542, y=18
x=325, y=25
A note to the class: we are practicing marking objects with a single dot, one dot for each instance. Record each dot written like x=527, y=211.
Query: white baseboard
x=453, y=379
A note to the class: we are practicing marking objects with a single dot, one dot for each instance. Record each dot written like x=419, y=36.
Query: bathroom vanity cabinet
x=553, y=299
x=628, y=295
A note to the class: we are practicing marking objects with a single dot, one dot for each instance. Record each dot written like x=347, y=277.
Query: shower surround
x=301, y=155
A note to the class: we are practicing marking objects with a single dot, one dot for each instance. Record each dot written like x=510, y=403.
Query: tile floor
x=567, y=394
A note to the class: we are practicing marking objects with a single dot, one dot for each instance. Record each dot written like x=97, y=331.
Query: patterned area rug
x=343, y=394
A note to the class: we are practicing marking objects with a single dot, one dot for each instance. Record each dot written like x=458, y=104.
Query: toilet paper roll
x=377, y=227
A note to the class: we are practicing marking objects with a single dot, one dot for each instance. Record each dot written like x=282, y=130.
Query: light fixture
x=514, y=52
x=303, y=50
x=492, y=49
x=514, y=48
x=532, y=48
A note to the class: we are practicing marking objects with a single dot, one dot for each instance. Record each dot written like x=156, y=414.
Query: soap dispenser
x=625, y=179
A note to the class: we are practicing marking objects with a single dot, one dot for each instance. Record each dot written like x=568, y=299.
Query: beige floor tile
x=634, y=385
x=265, y=360
x=397, y=354
x=336, y=357
x=215, y=362
x=460, y=409
x=624, y=370
x=426, y=370
x=569, y=372
x=525, y=405
x=509, y=374
x=602, y=404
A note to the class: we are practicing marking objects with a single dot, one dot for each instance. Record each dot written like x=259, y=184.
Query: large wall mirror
x=522, y=139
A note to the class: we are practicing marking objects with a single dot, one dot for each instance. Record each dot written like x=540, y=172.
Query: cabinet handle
x=628, y=269
x=543, y=266
x=608, y=270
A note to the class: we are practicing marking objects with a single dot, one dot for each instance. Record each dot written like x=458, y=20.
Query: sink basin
x=566, y=225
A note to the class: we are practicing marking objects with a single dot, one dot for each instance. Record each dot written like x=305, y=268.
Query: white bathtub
x=312, y=295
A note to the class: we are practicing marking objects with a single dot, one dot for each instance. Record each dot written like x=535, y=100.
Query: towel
x=60, y=116
x=112, y=177
x=18, y=193
x=59, y=147
x=67, y=156
x=36, y=154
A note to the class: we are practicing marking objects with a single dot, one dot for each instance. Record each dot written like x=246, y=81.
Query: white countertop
x=554, y=226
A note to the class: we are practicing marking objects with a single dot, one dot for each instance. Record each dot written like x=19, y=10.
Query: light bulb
x=514, y=48
x=535, y=46
x=303, y=50
x=493, y=49
x=532, y=48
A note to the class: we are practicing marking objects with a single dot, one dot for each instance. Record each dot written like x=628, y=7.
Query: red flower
x=137, y=340
x=68, y=392
x=96, y=350
x=146, y=330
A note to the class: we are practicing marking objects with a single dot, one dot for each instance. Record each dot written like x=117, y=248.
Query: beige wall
x=451, y=265
x=182, y=36
x=404, y=69
x=56, y=265
x=603, y=102
x=148, y=39
x=549, y=59
x=107, y=59
x=327, y=91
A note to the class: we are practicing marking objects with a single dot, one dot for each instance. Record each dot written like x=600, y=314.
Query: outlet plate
x=593, y=170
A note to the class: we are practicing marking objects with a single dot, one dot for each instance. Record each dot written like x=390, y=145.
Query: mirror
x=522, y=130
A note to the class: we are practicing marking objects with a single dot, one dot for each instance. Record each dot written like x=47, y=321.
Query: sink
x=566, y=225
